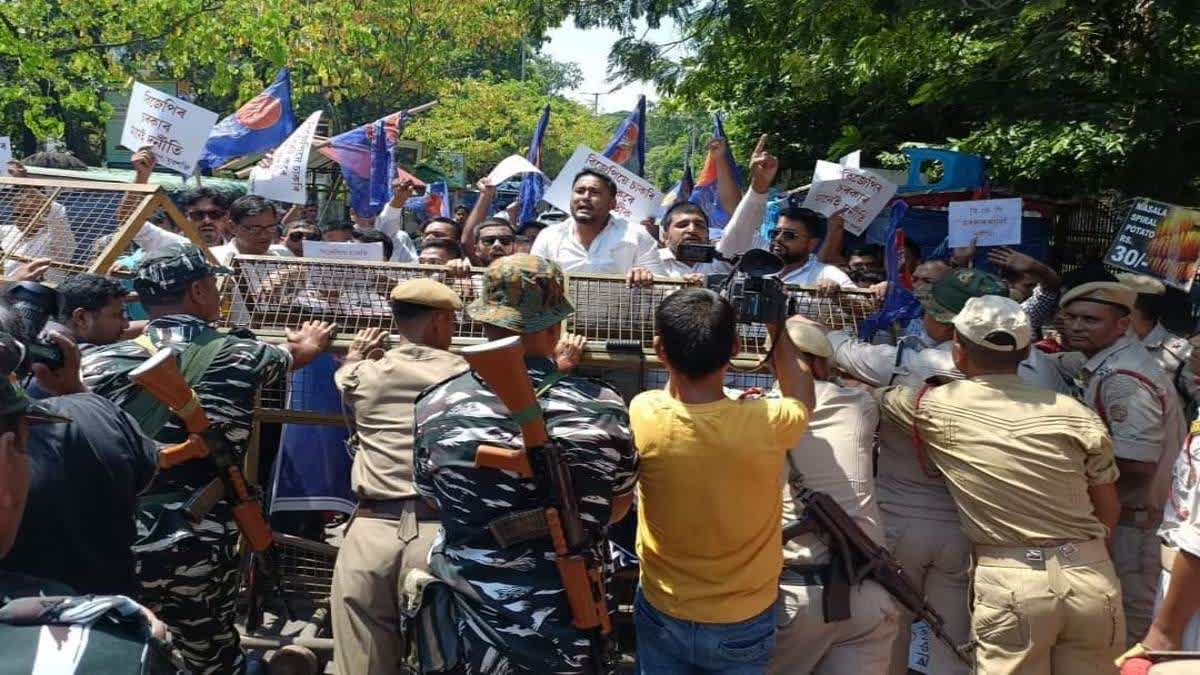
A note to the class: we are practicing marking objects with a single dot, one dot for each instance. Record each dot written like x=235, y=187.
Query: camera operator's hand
x=827, y=288
x=792, y=372
x=30, y=271
x=368, y=343
x=763, y=167
x=569, y=351
x=640, y=277
x=65, y=380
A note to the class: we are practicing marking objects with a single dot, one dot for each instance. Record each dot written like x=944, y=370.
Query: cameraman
x=710, y=573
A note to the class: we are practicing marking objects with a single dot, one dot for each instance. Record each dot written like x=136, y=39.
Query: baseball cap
x=945, y=298
x=427, y=292
x=170, y=269
x=522, y=293
x=986, y=320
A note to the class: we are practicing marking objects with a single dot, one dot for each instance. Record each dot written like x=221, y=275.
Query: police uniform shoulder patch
x=1117, y=412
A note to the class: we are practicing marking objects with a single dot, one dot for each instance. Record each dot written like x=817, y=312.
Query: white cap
x=987, y=319
x=1142, y=284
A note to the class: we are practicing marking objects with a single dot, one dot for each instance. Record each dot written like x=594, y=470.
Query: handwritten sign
x=285, y=179
x=173, y=129
x=637, y=199
x=5, y=155
x=1160, y=240
x=344, y=250
x=989, y=222
x=858, y=194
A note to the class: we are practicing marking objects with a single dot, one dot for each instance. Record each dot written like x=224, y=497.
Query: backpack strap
x=152, y=415
x=922, y=456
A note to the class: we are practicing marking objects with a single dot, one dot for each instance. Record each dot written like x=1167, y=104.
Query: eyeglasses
x=210, y=214
x=786, y=235
x=504, y=239
x=308, y=236
x=260, y=229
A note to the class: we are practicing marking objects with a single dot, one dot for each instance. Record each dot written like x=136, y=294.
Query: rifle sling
x=152, y=415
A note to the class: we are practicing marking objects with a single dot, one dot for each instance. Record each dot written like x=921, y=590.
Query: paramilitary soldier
x=1112, y=373
x=513, y=612
x=1036, y=502
x=188, y=571
x=393, y=528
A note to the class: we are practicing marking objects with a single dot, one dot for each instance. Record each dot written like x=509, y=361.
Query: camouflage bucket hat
x=171, y=269
x=523, y=293
x=945, y=299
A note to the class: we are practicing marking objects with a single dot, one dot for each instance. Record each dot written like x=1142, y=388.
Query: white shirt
x=151, y=238
x=390, y=222
x=225, y=252
x=813, y=271
x=618, y=248
x=54, y=240
x=677, y=269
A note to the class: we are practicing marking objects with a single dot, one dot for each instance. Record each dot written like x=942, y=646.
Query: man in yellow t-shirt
x=709, y=496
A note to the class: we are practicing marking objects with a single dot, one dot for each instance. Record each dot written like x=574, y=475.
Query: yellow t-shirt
x=709, y=502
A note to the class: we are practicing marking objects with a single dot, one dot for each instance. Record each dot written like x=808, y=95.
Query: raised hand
x=763, y=166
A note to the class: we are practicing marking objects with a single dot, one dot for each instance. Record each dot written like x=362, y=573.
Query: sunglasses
x=786, y=235
x=504, y=239
x=309, y=236
x=201, y=214
x=260, y=229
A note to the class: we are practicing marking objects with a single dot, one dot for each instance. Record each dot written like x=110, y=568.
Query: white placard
x=852, y=160
x=996, y=222
x=860, y=195
x=637, y=199
x=509, y=167
x=173, y=129
x=286, y=178
x=5, y=155
x=344, y=250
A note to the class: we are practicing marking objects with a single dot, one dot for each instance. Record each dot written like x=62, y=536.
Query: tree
x=1063, y=97
x=487, y=121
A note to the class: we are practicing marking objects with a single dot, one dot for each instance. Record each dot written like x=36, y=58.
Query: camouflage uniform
x=189, y=571
x=513, y=613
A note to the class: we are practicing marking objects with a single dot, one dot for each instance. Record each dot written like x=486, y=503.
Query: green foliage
x=487, y=121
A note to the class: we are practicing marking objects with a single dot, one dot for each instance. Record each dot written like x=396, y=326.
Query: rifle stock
x=160, y=376
x=501, y=364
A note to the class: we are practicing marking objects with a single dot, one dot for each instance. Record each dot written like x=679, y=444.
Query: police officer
x=1037, y=502
x=1169, y=350
x=835, y=458
x=1112, y=373
x=514, y=616
x=188, y=572
x=392, y=529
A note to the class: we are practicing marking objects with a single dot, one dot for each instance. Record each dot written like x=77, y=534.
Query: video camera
x=35, y=303
x=757, y=296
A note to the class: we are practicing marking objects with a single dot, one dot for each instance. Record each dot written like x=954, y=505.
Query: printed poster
x=1159, y=240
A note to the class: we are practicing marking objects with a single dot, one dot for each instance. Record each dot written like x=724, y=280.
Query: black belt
x=394, y=509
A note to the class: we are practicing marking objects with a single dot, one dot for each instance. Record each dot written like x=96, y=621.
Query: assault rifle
x=501, y=365
x=160, y=375
x=854, y=558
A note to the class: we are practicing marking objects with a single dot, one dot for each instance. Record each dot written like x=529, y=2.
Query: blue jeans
x=669, y=646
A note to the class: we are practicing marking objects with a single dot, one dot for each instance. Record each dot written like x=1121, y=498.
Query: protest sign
x=1160, y=240
x=858, y=194
x=509, y=167
x=987, y=222
x=173, y=129
x=344, y=250
x=637, y=199
x=5, y=155
x=286, y=178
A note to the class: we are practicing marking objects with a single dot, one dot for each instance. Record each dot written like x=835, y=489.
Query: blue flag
x=707, y=193
x=628, y=144
x=680, y=192
x=534, y=184
x=367, y=166
x=899, y=305
x=261, y=124
x=434, y=203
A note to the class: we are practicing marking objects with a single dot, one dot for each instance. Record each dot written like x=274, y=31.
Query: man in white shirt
x=795, y=238
x=391, y=222
x=592, y=240
x=255, y=230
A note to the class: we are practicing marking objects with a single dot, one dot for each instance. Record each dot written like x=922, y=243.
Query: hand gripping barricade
x=855, y=558
x=161, y=377
x=501, y=365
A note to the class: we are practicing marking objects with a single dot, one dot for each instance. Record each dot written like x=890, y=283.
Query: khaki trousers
x=1137, y=559
x=1061, y=616
x=860, y=645
x=365, y=597
x=937, y=556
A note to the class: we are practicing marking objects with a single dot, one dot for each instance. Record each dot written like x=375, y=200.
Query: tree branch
x=112, y=45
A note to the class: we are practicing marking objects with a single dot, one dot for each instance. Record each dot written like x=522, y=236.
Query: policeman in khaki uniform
x=392, y=529
x=1036, y=502
x=1169, y=350
x=1112, y=373
x=835, y=458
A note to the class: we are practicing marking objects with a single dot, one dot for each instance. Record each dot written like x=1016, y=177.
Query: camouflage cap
x=944, y=299
x=523, y=293
x=170, y=269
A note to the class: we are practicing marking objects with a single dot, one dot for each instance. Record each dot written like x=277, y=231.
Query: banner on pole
x=285, y=179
